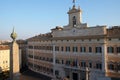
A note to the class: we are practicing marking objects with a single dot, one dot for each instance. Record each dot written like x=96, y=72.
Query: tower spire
x=13, y=29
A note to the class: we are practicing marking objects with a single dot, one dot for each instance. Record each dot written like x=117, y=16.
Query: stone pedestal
x=14, y=61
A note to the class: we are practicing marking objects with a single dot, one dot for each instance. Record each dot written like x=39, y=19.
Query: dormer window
x=74, y=21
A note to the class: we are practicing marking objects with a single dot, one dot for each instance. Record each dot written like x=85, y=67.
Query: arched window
x=74, y=21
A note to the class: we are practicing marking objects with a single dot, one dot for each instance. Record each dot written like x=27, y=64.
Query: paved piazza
x=30, y=75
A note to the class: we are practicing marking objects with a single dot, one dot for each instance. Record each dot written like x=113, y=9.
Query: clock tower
x=74, y=16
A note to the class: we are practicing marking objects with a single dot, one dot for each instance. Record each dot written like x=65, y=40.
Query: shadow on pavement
x=33, y=76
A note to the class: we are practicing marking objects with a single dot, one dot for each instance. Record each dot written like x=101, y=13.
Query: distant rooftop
x=4, y=47
x=113, y=31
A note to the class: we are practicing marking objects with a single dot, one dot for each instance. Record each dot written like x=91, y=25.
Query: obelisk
x=14, y=58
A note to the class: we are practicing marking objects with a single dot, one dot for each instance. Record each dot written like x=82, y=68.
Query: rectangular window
x=57, y=72
x=118, y=49
x=57, y=61
x=109, y=39
x=83, y=64
x=51, y=47
x=98, y=66
x=51, y=60
x=83, y=49
x=62, y=61
x=98, y=50
x=30, y=47
x=62, y=48
x=90, y=64
x=110, y=66
x=67, y=49
x=90, y=49
x=30, y=56
x=75, y=49
x=47, y=48
x=67, y=62
x=110, y=49
x=56, y=48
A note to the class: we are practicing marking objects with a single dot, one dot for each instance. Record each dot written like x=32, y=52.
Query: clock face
x=74, y=31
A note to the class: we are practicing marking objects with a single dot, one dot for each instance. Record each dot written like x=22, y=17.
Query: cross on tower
x=74, y=2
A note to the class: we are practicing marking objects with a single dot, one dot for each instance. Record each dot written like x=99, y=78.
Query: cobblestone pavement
x=30, y=75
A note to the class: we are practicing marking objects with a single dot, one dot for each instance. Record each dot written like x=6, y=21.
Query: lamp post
x=87, y=73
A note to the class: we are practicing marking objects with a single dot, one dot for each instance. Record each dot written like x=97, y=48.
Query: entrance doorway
x=75, y=76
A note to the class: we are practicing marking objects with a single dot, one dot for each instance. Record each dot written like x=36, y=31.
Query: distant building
x=76, y=51
x=4, y=58
x=23, y=52
x=4, y=42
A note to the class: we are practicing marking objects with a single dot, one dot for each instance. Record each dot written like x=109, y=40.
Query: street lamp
x=87, y=73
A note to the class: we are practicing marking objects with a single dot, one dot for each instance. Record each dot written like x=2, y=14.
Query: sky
x=34, y=17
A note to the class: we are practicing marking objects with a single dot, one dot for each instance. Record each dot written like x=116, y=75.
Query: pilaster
x=104, y=57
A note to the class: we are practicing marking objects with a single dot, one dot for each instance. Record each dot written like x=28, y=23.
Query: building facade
x=76, y=51
x=22, y=51
x=4, y=58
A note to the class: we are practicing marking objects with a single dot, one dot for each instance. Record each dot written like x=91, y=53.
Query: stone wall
x=80, y=32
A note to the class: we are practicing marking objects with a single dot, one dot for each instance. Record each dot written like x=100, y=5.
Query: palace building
x=76, y=51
